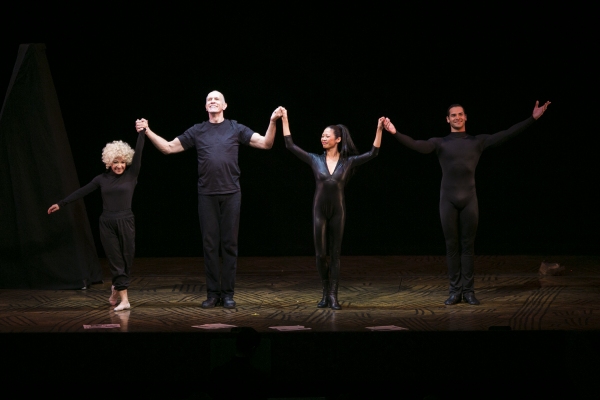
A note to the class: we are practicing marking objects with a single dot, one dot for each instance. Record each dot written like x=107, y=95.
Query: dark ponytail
x=346, y=146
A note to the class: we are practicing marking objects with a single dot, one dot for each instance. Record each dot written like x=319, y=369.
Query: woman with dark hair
x=332, y=170
x=117, y=223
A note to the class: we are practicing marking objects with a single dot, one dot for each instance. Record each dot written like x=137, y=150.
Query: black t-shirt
x=217, y=146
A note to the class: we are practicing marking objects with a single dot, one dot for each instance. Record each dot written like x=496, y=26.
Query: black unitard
x=329, y=209
x=458, y=154
x=117, y=224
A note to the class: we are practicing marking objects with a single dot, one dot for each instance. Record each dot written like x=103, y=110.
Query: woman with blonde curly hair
x=117, y=224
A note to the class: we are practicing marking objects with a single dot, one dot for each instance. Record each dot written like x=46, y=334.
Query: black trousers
x=117, y=234
x=219, y=223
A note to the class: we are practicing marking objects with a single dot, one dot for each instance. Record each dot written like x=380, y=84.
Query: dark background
x=538, y=193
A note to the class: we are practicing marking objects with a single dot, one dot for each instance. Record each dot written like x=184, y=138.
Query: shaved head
x=215, y=103
x=216, y=93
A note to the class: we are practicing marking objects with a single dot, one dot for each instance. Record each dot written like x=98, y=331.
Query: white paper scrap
x=290, y=328
x=387, y=328
x=213, y=326
x=102, y=326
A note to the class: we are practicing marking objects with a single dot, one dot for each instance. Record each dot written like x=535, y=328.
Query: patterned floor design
x=405, y=291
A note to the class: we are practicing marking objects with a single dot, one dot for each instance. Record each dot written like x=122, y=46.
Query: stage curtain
x=37, y=250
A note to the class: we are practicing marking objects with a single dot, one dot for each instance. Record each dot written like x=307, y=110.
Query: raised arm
x=502, y=136
x=539, y=111
x=289, y=143
x=266, y=142
x=363, y=158
x=285, y=123
x=136, y=163
x=422, y=146
x=174, y=146
x=377, y=141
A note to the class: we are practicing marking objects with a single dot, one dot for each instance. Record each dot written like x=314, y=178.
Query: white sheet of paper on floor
x=290, y=328
x=387, y=328
x=102, y=326
x=213, y=326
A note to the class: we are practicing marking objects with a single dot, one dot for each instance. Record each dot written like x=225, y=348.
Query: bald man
x=219, y=197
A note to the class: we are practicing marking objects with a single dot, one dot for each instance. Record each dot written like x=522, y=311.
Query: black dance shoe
x=332, y=296
x=228, y=302
x=453, y=299
x=324, y=303
x=470, y=298
x=211, y=302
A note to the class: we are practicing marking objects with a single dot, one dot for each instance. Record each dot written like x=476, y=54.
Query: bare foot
x=114, y=296
x=123, y=306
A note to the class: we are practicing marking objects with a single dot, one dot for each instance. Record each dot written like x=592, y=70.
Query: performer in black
x=219, y=198
x=332, y=170
x=117, y=223
x=458, y=154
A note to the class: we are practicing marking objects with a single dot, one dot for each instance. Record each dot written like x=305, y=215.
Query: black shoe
x=211, y=302
x=332, y=296
x=470, y=298
x=453, y=299
x=324, y=303
x=228, y=302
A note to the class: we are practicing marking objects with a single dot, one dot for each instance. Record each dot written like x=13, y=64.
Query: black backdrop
x=537, y=193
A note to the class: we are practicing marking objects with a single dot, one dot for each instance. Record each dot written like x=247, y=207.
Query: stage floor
x=531, y=337
x=402, y=291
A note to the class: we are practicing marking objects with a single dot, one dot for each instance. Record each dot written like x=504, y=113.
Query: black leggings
x=459, y=223
x=328, y=225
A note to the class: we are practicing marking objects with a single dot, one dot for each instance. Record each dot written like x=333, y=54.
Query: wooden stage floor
x=404, y=291
x=531, y=337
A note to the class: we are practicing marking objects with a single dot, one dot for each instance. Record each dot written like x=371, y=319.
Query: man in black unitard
x=219, y=198
x=458, y=154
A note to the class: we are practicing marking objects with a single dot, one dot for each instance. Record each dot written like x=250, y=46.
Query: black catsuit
x=458, y=154
x=329, y=209
x=117, y=223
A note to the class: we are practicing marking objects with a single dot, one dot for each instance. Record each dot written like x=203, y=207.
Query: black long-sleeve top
x=329, y=191
x=117, y=190
x=459, y=154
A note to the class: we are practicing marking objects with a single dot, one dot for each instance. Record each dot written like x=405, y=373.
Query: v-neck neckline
x=327, y=166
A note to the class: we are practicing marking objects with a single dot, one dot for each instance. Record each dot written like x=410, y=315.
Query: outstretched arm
x=76, y=195
x=422, y=146
x=266, y=142
x=539, y=111
x=289, y=143
x=500, y=137
x=363, y=158
x=174, y=146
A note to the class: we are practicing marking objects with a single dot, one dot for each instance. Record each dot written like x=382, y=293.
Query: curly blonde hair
x=115, y=149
